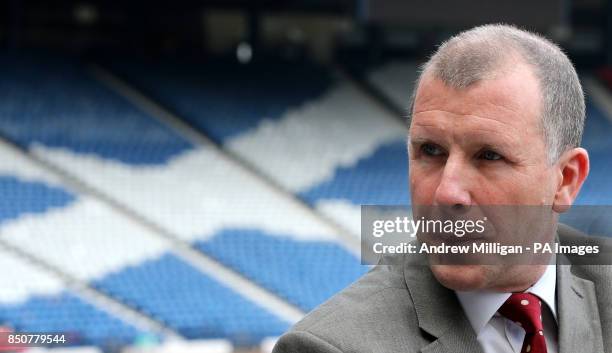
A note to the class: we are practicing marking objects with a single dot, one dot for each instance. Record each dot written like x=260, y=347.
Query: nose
x=452, y=190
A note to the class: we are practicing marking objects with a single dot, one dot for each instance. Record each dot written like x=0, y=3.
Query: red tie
x=525, y=309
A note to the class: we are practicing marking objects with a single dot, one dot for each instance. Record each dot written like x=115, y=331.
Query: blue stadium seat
x=190, y=302
x=597, y=189
x=306, y=273
x=20, y=197
x=66, y=313
x=377, y=179
x=221, y=97
x=54, y=101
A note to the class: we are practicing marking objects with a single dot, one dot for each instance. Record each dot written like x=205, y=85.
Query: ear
x=573, y=168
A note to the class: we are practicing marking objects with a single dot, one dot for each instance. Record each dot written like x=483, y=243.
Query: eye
x=490, y=155
x=430, y=149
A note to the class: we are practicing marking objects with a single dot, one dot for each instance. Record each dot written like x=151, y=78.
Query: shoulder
x=357, y=319
x=596, y=269
x=597, y=273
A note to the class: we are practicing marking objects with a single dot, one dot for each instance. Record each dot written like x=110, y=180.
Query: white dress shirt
x=495, y=333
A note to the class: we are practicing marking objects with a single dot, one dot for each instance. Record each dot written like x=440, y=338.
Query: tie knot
x=525, y=309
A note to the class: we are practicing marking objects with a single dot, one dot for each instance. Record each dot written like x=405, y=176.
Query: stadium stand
x=325, y=147
x=284, y=259
x=191, y=346
x=223, y=98
x=33, y=300
x=379, y=178
x=194, y=305
x=20, y=197
x=394, y=80
x=596, y=139
x=72, y=349
x=51, y=101
x=191, y=192
x=92, y=243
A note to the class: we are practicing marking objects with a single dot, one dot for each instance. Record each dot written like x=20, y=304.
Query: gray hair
x=480, y=52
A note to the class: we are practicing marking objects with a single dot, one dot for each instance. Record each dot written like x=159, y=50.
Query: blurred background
x=187, y=175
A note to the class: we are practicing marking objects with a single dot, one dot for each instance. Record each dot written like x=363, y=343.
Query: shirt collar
x=545, y=288
x=479, y=307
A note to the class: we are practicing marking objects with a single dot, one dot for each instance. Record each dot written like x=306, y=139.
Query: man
x=497, y=119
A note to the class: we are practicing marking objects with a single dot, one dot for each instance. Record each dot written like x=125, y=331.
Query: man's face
x=481, y=145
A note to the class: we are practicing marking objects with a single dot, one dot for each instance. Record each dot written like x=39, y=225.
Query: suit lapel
x=579, y=322
x=461, y=339
x=439, y=313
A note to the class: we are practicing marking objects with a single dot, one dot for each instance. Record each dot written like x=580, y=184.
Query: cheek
x=510, y=186
x=422, y=186
x=548, y=186
x=533, y=188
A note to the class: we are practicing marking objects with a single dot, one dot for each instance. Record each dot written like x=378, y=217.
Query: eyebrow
x=418, y=140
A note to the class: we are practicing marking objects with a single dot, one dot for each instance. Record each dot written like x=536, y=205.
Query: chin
x=464, y=277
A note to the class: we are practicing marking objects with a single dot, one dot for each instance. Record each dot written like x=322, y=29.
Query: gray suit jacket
x=405, y=309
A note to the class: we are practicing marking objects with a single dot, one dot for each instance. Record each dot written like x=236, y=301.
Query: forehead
x=511, y=97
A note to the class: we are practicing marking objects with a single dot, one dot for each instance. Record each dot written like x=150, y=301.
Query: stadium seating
x=53, y=101
x=378, y=179
x=597, y=189
x=90, y=242
x=19, y=197
x=316, y=142
x=192, y=192
x=33, y=300
x=304, y=273
x=221, y=97
x=394, y=80
x=194, y=305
